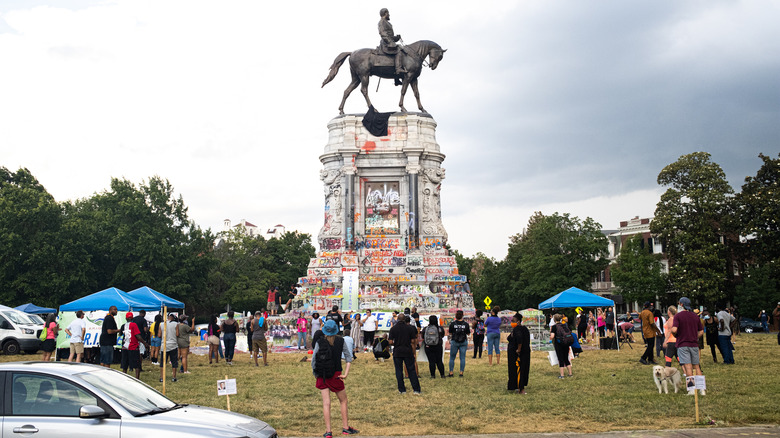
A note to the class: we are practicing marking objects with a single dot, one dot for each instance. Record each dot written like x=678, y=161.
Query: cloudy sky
x=565, y=106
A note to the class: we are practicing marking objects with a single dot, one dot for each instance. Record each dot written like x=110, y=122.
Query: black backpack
x=460, y=331
x=324, y=364
x=565, y=336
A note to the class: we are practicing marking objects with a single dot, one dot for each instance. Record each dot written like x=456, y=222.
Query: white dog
x=662, y=375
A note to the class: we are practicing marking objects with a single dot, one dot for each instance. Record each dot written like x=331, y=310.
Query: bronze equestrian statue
x=406, y=66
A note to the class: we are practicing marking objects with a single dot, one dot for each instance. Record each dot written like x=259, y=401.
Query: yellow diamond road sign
x=487, y=302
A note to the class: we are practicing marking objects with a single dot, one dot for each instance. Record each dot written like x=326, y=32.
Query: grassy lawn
x=611, y=390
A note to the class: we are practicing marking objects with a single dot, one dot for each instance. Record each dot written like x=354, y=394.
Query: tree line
x=723, y=247
x=130, y=236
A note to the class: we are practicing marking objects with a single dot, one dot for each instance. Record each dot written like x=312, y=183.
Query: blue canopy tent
x=109, y=297
x=32, y=308
x=148, y=294
x=575, y=297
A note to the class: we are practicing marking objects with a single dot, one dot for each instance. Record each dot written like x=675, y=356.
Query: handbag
x=553, y=358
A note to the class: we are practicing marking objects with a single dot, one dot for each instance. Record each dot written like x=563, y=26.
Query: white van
x=18, y=332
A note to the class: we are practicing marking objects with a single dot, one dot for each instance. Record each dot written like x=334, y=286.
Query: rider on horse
x=388, y=44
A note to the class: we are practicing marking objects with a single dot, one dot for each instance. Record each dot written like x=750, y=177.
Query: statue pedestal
x=383, y=244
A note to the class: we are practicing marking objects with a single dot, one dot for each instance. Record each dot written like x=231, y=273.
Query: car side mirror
x=92, y=411
x=5, y=325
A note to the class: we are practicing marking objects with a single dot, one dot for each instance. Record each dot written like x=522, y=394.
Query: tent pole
x=165, y=345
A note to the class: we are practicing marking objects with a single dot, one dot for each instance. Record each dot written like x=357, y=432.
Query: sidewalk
x=703, y=432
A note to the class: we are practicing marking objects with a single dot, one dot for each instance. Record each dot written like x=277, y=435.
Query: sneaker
x=328, y=435
x=417, y=393
x=160, y=380
x=402, y=392
x=349, y=431
x=185, y=372
x=560, y=377
x=174, y=379
x=702, y=392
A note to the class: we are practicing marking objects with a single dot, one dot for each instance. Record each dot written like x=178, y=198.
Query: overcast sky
x=566, y=106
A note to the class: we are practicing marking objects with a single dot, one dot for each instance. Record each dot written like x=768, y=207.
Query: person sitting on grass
x=381, y=348
x=326, y=366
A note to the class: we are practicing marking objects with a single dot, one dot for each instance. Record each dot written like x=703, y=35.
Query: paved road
x=703, y=432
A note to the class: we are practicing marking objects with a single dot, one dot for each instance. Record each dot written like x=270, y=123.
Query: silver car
x=61, y=399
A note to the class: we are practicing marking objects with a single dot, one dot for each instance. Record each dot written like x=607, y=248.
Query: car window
x=36, y=394
x=135, y=396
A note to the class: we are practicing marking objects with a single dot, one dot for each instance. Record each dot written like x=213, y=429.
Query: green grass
x=610, y=391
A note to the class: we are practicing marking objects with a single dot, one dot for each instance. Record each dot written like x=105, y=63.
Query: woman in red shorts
x=326, y=364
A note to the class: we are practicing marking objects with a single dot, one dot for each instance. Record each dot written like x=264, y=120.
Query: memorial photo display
x=382, y=208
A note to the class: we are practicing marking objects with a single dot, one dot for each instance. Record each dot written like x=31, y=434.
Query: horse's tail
x=334, y=68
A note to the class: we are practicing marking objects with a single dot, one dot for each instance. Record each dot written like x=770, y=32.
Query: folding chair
x=624, y=337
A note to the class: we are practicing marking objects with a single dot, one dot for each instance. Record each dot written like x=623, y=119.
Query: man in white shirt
x=76, y=330
x=369, y=329
x=724, y=335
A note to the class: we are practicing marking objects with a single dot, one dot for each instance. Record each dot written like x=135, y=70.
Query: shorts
x=106, y=354
x=49, y=345
x=259, y=344
x=77, y=347
x=611, y=327
x=155, y=342
x=334, y=383
x=131, y=359
x=213, y=340
x=172, y=356
x=688, y=355
x=272, y=306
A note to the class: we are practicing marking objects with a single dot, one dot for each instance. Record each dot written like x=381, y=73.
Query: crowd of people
x=678, y=334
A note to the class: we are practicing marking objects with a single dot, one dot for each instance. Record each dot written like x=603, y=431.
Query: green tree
x=556, y=252
x=36, y=263
x=759, y=214
x=691, y=220
x=140, y=236
x=290, y=255
x=241, y=274
x=638, y=272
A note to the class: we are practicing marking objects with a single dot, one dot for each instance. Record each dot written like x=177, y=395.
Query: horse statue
x=363, y=63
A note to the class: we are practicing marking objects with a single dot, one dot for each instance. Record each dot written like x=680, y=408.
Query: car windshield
x=37, y=320
x=135, y=396
x=18, y=318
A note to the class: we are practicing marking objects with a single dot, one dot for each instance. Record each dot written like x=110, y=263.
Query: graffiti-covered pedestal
x=383, y=244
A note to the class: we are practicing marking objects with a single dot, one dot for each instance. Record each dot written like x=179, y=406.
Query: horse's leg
x=417, y=95
x=403, y=92
x=364, y=88
x=351, y=87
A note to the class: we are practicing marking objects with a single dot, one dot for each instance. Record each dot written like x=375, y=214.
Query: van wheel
x=11, y=347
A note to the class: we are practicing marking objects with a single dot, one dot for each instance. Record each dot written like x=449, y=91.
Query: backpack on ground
x=480, y=329
x=565, y=336
x=378, y=347
x=460, y=331
x=324, y=364
x=431, y=336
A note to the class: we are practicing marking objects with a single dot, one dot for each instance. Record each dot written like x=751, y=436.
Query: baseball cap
x=686, y=303
x=129, y=315
x=330, y=328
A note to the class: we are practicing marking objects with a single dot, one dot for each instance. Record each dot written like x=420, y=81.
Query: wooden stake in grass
x=228, y=402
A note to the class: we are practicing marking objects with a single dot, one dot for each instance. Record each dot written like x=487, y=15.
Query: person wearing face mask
x=518, y=355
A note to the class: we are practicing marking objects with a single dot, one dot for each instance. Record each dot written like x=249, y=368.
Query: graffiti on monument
x=382, y=208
